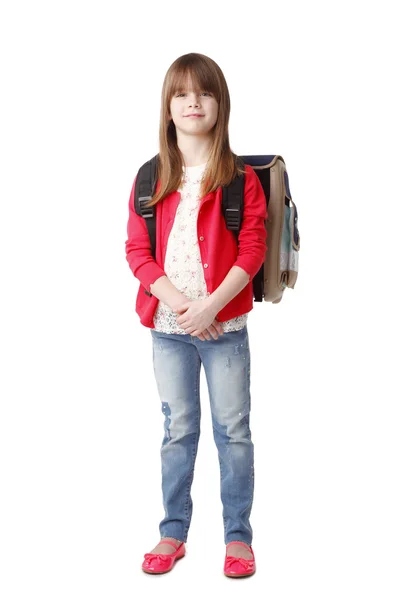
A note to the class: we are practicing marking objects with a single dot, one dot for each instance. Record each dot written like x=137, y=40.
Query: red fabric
x=218, y=249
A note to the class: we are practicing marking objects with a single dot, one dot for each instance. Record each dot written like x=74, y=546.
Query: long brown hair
x=222, y=166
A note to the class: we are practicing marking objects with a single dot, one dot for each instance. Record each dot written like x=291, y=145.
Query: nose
x=193, y=100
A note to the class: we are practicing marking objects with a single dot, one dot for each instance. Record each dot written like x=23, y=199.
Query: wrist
x=177, y=301
x=212, y=301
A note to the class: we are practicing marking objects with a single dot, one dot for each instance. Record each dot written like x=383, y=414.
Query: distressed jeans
x=177, y=359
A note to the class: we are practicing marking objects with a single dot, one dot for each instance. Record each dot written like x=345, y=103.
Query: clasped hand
x=195, y=316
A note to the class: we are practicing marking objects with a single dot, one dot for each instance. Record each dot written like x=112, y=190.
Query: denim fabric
x=177, y=360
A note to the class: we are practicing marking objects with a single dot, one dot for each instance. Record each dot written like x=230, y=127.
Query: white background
x=81, y=421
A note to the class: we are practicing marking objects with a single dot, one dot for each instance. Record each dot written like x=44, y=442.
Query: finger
x=191, y=330
x=213, y=331
x=195, y=332
x=181, y=309
x=218, y=326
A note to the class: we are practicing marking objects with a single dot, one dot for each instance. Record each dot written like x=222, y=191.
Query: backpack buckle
x=146, y=211
x=232, y=218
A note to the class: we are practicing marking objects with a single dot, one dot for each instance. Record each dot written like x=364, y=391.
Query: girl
x=195, y=298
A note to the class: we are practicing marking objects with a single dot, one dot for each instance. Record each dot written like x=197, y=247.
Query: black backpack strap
x=144, y=191
x=233, y=202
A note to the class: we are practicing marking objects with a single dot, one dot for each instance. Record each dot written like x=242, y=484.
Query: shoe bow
x=161, y=557
x=245, y=562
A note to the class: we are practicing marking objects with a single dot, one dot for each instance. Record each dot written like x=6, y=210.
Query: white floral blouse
x=183, y=265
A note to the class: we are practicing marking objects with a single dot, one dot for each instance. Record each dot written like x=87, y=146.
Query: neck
x=195, y=150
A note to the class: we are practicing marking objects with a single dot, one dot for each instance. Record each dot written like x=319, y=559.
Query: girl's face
x=188, y=101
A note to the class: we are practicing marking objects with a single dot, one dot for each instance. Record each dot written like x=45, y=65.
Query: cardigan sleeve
x=138, y=247
x=253, y=234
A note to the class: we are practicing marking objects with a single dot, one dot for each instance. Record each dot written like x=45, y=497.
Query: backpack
x=281, y=264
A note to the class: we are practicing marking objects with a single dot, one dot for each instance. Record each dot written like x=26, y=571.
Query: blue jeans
x=177, y=360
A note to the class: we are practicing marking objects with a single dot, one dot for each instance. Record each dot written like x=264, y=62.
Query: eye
x=183, y=93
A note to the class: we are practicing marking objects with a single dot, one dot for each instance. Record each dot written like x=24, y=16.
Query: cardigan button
x=205, y=265
x=201, y=238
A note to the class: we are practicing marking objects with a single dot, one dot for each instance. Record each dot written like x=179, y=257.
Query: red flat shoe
x=236, y=566
x=162, y=563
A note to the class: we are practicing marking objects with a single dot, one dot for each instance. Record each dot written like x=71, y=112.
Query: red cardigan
x=218, y=247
